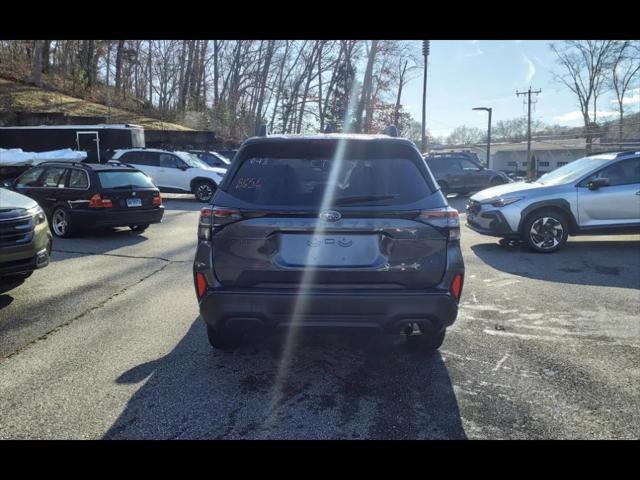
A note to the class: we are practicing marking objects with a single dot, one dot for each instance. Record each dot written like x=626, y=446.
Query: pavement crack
x=141, y=257
x=86, y=312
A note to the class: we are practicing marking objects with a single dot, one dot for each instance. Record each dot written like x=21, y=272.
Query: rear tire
x=139, y=228
x=495, y=182
x=204, y=190
x=61, y=224
x=426, y=342
x=224, y=339
x=546, y=231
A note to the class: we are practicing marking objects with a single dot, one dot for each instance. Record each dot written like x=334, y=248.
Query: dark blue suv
x=329, y=232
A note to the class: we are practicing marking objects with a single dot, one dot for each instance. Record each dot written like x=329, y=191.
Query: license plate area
x=302, y=250
x=134, y=202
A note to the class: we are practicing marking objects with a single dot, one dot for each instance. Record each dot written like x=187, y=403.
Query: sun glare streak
x=310, y=268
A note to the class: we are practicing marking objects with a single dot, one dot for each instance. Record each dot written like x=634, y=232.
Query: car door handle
x=50, y=199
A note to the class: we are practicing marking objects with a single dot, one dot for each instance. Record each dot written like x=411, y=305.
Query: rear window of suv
x=304, y=182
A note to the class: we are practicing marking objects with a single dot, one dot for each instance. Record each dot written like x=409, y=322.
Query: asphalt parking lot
x=106, y=343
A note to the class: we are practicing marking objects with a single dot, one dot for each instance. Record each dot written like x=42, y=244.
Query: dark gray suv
x=329, y=231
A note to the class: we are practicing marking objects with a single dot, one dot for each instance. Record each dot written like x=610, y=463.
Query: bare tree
x=624, y=68
x=37, y=63
x=584, y=65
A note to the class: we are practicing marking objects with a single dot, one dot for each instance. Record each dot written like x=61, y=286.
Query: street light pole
x=489, y=110
x=425, y=52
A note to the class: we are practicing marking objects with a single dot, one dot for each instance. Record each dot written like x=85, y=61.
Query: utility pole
x=530, y=171
x=425, y=52
x=488, y=110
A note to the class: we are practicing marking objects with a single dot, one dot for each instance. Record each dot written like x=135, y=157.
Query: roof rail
x=116, y=163
x=392, y=131
x=628, y=152
x=65, y=162
x=262, y=131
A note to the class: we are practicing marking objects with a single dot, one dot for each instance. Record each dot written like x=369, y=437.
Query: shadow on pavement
x=7, y=284
x=336, y=387
x=600, y=263
x=99, y=241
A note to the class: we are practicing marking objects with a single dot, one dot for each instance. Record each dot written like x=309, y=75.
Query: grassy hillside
x=19, y=96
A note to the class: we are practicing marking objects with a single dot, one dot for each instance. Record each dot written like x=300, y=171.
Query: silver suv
x=594, y=195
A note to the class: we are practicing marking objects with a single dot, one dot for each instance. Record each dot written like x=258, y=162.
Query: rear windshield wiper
x=361, y=199
x=122, y=187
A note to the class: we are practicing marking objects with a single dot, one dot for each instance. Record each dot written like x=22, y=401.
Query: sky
x=463, y=74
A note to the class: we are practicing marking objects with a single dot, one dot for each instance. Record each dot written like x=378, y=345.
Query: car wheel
x=61, y=223
x=204, y=190
x=426, y=342
x=224, y=339
x=545, y=231
x=138, y=228
x=495, y=182
x=444, y=188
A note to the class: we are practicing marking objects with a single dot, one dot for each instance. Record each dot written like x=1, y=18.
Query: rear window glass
x=124, y=179
x=304, y=182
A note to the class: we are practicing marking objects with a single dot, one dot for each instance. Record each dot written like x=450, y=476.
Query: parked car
x=594, y=195
x=328, y=231
x=175, y=172
x=460, y=173
x=80, y=196
x=25, y=239
x=212, y=159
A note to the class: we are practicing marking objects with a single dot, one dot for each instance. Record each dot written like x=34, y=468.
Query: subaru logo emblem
x=330, y=216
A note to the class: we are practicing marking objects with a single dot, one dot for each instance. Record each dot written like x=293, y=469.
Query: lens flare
x=309, y=273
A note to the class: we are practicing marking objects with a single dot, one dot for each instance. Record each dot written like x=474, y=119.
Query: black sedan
x=79, y=196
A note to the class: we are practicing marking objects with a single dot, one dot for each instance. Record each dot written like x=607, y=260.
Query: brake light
x=456, y=287
x=98, y=202
x=445, y=218
x=157, y=201
x=215, y=217
x=201, y=285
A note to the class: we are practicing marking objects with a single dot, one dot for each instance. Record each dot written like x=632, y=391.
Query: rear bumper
x=384, y=311
x=116, y=218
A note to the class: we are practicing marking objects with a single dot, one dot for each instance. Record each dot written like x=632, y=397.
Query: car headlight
x=38, y=214
x=503, y=201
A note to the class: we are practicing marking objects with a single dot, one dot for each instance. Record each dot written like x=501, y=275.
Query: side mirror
x=596, y=183
x=183, y=167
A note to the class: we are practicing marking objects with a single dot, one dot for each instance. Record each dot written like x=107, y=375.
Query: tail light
x=157, y=200
x=445, y=218
x=456, y=287
x=212, y=218
x=97, y=201
x=201, y=285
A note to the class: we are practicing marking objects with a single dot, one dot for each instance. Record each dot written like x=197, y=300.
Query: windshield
x=304, y=182
x=123, y=178
x=574, y=170
x=192, y=160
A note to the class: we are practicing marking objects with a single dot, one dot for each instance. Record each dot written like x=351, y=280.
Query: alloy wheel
x=60, y=223
x=546, y=233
